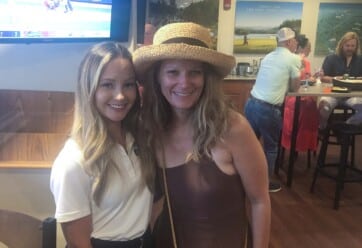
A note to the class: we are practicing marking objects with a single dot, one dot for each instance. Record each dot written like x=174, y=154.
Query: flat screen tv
x=34, y=21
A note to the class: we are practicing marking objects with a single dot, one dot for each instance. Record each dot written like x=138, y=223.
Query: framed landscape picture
x=334, y=20
x=203, y=12
x=256, y=24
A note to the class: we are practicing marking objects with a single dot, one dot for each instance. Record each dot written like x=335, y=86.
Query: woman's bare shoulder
x=236, y=122
x=239, y=131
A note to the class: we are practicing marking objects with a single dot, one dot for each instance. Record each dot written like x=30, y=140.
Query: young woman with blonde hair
x=100, y=180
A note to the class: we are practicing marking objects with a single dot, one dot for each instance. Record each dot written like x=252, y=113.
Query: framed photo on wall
x=334, y=20
x=256, y=24
x=162, y=12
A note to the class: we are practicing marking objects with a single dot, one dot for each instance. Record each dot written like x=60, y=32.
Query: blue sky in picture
x=266, y=14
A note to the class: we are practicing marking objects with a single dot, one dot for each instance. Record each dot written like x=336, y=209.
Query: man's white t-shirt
x=276, y=71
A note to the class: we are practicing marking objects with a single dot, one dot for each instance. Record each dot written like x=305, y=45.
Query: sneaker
x=274, y=187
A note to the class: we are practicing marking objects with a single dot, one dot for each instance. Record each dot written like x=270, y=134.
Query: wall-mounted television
x=34, y=21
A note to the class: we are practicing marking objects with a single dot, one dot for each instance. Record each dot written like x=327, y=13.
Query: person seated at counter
x=279, y=72
x=346, y=60
x=307, y=136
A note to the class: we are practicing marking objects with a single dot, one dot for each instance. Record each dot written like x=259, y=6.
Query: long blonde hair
x=345, y=38
x=89, y=129
x=209, y=117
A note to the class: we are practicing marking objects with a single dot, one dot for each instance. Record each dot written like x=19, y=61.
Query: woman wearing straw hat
x=209, y=160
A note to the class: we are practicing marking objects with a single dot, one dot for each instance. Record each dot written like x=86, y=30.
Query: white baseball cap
x=285, y=34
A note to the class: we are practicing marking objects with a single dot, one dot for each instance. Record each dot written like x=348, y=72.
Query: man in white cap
x=279, y=73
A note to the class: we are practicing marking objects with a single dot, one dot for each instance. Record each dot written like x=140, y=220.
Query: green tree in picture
x=257, y=22
x=203, y=12
x=334, y=21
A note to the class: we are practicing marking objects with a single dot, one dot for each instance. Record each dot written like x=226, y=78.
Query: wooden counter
x=237, y=89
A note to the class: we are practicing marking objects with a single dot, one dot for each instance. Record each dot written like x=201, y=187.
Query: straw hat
x=182, y=40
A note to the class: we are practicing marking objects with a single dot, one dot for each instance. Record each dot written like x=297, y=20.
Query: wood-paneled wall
x=33, y=126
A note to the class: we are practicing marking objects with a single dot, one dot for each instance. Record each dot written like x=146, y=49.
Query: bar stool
x=340, y=114
x=343, y=171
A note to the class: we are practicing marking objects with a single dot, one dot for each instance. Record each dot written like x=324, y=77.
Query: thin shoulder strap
x=168, y=198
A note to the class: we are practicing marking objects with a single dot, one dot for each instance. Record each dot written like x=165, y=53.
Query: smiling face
x=117, y=90
x=182, y=82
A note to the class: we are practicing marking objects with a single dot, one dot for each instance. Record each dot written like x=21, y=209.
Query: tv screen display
x=27, y=21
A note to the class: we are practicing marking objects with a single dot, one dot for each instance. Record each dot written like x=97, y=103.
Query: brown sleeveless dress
x=208, y=208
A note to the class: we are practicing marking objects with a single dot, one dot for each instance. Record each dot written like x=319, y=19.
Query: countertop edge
x=26, y=164
x=240, y=78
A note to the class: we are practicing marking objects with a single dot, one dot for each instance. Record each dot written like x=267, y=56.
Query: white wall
x=40, y=66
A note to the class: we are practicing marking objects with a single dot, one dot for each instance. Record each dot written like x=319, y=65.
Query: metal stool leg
x=345, y=143
x=321, y=158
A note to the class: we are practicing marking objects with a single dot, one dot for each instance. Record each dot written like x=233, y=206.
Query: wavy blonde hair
x=209, y=117
x=89, y=129
x=345, y=38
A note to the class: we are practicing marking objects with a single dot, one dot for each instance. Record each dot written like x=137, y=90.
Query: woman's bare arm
x=78, y=232
x=250, y=163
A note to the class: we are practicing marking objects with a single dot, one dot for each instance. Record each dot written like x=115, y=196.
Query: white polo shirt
x=123, y=213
